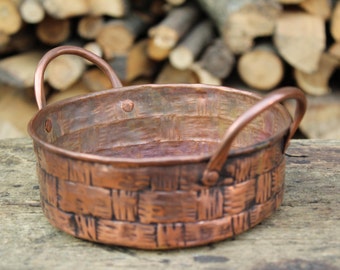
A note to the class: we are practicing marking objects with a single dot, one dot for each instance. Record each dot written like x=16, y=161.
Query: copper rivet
x=48, y=125
x=127, y=105
x=210, y=178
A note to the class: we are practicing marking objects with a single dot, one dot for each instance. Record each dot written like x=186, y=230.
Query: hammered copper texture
x=147, y=166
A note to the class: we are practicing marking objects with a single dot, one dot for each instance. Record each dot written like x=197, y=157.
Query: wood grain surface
x=303, y=234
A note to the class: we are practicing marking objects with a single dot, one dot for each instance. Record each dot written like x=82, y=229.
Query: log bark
x=112, y=8
x=320, y=8
x=90, y=26
x=18, y=70
x=59, y=9
x=240, y=21
x=134, y=64
x=117, y=36
x=10, y=19
x=316, y=83
x=53, y=31
x=64, y=71
x=192, y=45
x=335, y=22
x=32, y=11
x=217, y=59
x=300, y=39
x=261, y=68
x=170, y=74
x=165, y=35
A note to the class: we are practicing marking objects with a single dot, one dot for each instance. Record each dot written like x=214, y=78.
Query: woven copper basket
x=160, y=166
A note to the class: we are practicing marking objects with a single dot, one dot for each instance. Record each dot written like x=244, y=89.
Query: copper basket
x=160, y=166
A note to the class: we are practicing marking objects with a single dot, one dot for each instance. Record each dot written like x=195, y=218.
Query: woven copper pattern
x=157, y=212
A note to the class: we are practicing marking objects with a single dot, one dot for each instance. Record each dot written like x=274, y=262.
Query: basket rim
x=151, y=161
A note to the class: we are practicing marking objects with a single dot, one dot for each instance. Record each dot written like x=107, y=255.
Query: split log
x=240, y=21
x=117, y=36
x=320, y=8
x=335, y=22
x=140, y=81
x=95, y=80
x=32, y=11
x=16, y=111
x=9, y=130
x=53, y=31
x=135, y=63
x=77, y=89
x=156, y=52
x=165, y=35
x=322, y=118
x=59, y=9
x=217, y=59
x=300, y=39
x=261, y=68
x=64, y=71
x=90, y=26
x=10, y=19
x=204, y=76
x=192, y=45
x=112, y=8
x=170, y=74
x=18, y=70
x=316, y=83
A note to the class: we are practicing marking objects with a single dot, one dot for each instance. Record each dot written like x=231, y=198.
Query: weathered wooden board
x=303, y=234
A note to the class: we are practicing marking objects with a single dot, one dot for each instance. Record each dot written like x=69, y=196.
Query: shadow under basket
x=160, y=166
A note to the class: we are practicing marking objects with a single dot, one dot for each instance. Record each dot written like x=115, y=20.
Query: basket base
x=159, y=236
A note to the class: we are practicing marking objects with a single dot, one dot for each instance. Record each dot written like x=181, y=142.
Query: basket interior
x=155, y=121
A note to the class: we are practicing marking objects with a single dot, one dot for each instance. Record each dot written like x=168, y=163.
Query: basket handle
x=67, y=49
x=211, y=173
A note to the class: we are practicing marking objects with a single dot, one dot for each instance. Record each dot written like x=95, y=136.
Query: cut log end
x=181, y=58
x=32, y=11
x=53, y=31
x=260, y=69
x=10, y=19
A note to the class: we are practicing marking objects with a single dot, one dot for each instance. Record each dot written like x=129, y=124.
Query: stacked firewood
x=172, y=41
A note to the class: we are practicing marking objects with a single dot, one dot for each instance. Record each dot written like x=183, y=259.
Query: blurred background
x=255, y=46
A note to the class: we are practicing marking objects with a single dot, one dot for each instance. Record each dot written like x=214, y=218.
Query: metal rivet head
x=48, y=125
x=210, y=178
x=127, y=105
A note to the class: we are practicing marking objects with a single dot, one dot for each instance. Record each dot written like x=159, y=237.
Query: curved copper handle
x=211, y=173
x=53, y=53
